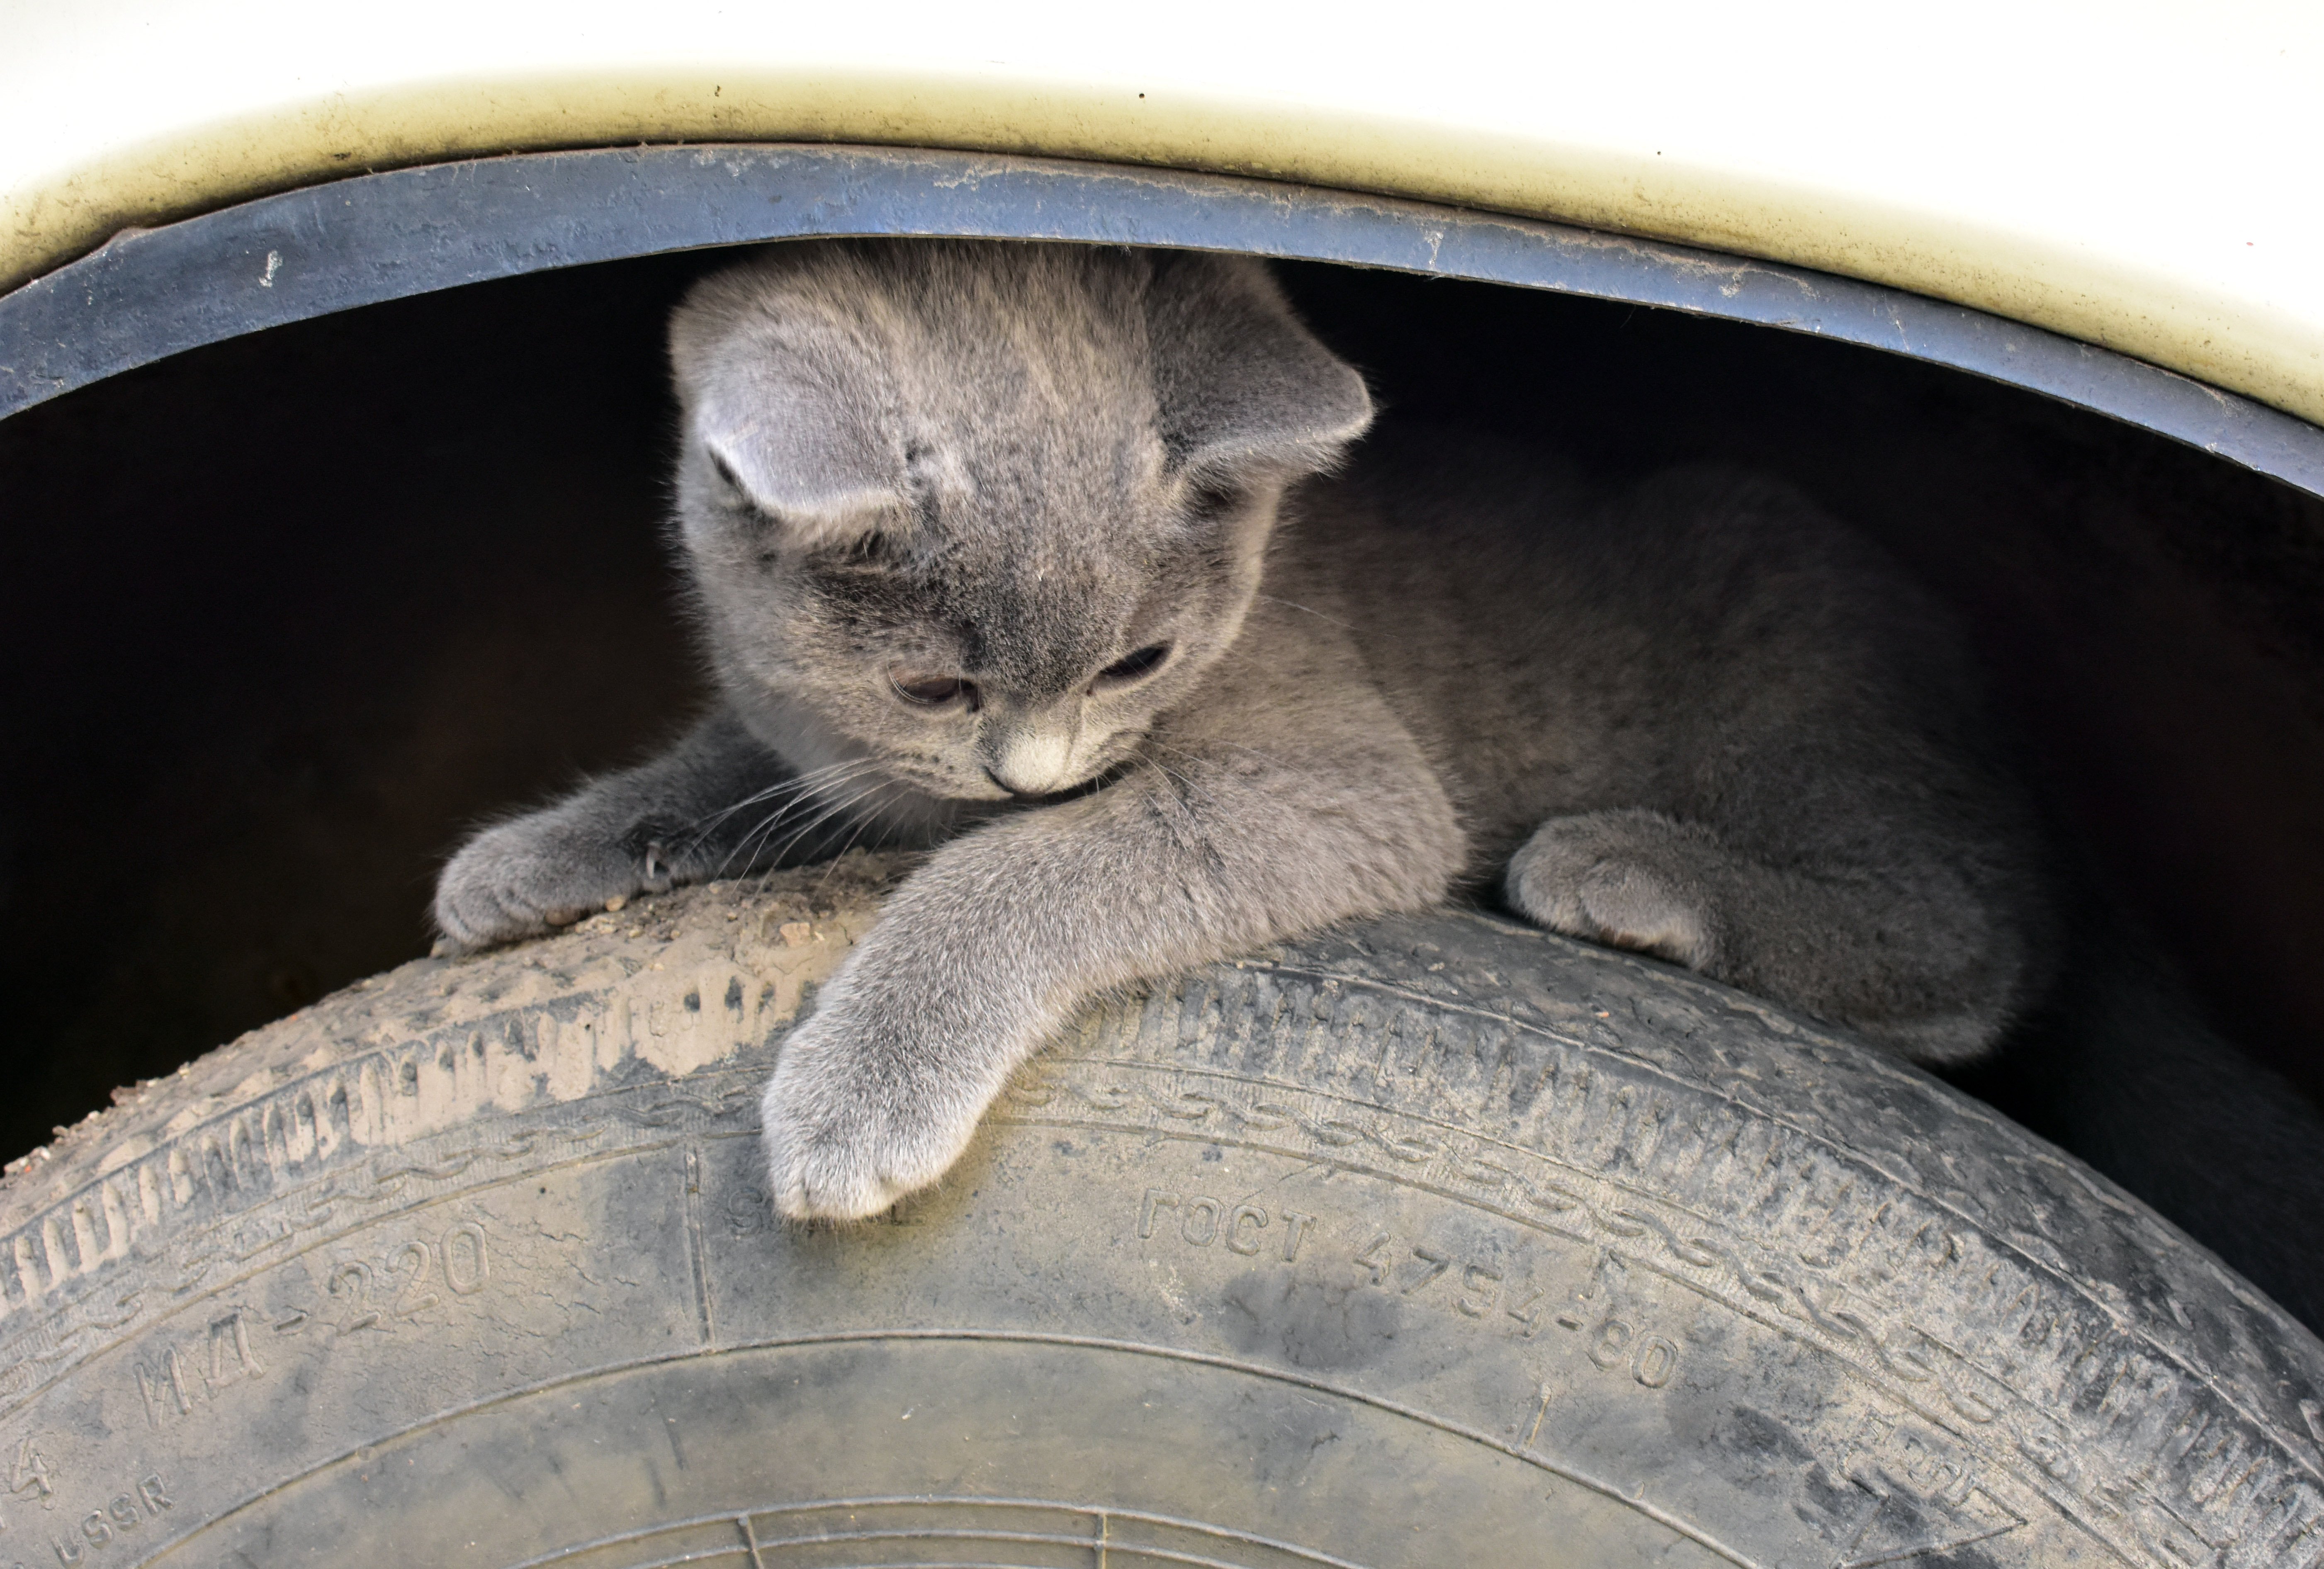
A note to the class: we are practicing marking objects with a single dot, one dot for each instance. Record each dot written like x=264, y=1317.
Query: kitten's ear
x=799, y=458
x=787, y=414
x=1241, y=384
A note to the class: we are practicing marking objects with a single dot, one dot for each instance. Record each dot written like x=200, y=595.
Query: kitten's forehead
x=1040, y=623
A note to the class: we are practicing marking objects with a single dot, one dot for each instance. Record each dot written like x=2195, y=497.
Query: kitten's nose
x=1031, y=764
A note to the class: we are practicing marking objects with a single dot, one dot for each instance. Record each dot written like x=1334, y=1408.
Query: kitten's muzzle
x=1032, y=762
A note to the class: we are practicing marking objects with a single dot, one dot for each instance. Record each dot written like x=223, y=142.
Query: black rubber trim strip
x=154, y=292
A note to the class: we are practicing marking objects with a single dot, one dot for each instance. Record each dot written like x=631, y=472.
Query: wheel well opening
x=288, y=613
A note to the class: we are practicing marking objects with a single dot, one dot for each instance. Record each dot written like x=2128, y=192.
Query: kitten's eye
x=934, y=691
x=1136, y=666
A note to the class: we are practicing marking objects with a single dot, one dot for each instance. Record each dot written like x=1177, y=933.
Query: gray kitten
x=1039, y=554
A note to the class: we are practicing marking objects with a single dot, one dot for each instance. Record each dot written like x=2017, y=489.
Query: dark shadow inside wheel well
x=286, y=615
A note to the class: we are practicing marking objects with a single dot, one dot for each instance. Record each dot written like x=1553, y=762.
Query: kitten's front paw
x=524, y=878
x=853, y=1119
x=1617, y=878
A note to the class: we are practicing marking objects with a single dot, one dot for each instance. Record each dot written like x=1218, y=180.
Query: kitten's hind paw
x=1622, y=878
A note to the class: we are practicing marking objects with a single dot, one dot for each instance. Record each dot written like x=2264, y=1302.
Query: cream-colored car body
x=2146, y=177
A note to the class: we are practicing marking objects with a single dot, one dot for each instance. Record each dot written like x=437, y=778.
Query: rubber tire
x=1437, y=1241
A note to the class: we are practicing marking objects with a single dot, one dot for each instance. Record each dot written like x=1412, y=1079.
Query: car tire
x=1434, y=1241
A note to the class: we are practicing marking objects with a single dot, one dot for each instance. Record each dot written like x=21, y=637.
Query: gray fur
x=1698, y=717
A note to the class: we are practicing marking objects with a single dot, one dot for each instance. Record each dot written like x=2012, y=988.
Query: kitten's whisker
x=742, y=847
x=736, y=848
x=781, y=787
x=838, y=775
x=1182, y=779
x=792, y=785
x=783, y=850
x=765, y=827
x=705, y=832
x=1182, y=774
x=862, y=823
x=813, y=780
x=824, y=816
x=1318, y=614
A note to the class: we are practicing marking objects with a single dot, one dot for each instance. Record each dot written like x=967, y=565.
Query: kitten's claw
x=843, y=1140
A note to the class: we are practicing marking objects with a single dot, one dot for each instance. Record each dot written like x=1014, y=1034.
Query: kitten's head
x=978, y=512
